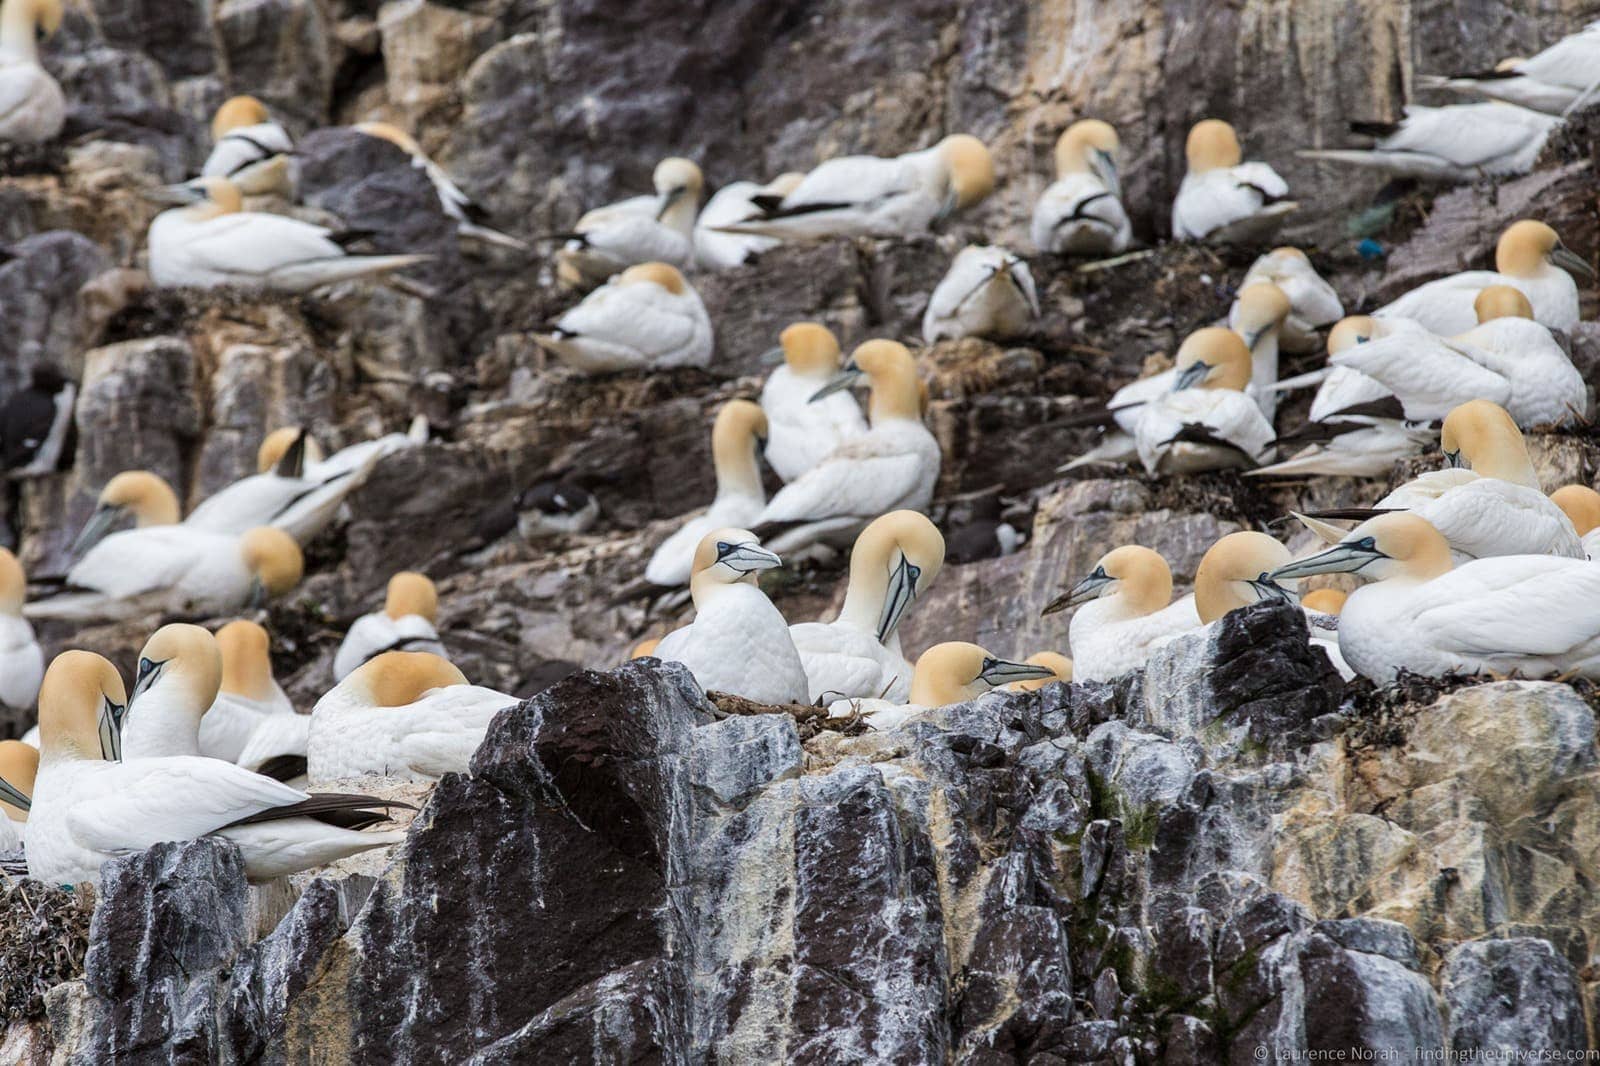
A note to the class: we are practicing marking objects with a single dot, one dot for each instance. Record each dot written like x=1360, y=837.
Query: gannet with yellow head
x=276, y=445
x=1236, y=572
x=1259, y=315
x=1581, y=505
x=21, y=659
x=1059, y=665
x=1081, y=213
x=250, y=149
x=247, y=693
x=407, y=622
x=800, y=433
x=1223, y=200
x=1126, y=612
x=641, y=229
x=645, y=649
x=946, y=674
x=1556, y=81
x=735, y=449
x=987, y=292
x=1458, y=142
x=1542, y=386
x=19, y=766
x=1313, y=303
x=646, y=318
x=469, y=216
x=144, y=497
x=180, y=670
x=717, y=250
x=1208, y=421
x=1429, y=375
x=32, y=106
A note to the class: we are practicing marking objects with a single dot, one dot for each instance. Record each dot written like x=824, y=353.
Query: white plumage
x=715, y=249
x=1078, y=215
x=1108, y=641
x=32, y=106
x=1461, y=142
x=1202, y=429
x=1313, y=303
x=987, y=292
x=21, y=663
x=1543, y=387
x=1428, y=374
x=800, y=432
x=374, y=633
x=640, y=229
x=434, y=733
x=740, y=496
x=1552, y=81
x=647, y=317
x=1237, y=204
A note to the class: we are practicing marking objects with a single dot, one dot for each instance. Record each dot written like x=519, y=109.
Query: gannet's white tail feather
x=490, y=236
x=1116, y=448
x=1358, y=156
x=1299, y=381
x=316, y=272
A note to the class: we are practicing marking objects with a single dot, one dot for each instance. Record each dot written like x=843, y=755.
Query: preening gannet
x=361, y=456
x=646, y=318
x=893, y=466
x=1224, y=200
x=1430, y=375
x=87, y=810
x=19, y=768
x=1529, y=258
x=866, y=196
x=1080, y=213
x=801, y=433
x=247, y=694
x=468, y=214
x=738, y=642
x=1533, y=614
x=735, y=443
x=1126, y=613
x=715, y=249
x=1554, y=81
x=139, y=494
x=987, y=292
x=249, y=149
x=21, y=660
x=1235, y=572
x=1461, y=142
x=642, y=229
x=32, y=106
x=404, y=714
x=952, y=672
x=180, y=669
x=1207, y=422
x=36, y=425
x=1543, y=387
x=1059, y=665
x=406, y=623
x=276, y=444
x=1313, y=304
x=207, y=241
x=858, y=655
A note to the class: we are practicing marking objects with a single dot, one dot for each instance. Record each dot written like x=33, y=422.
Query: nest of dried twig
x=808, y=720
x=44, y=935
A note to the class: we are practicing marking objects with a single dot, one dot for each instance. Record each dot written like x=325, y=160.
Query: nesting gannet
x=555, y=508
x=735, y=445
x=866, y=196
x=180, y=669
x=893, y=466
x=1430, y=375
x=642, y=229
x=1543, y=387
x=1529, y=257
x=405, y=714
x=1461, y=142
x=1059, y=665
x=1313, y=304
x=468, y=214
x=858, y=655
x=284, y=498
x=738, y=642
x=363, y=455
x=717, y=250
x=1125, y=615
x=176, y=569
x=1532, y=614
x=19, y=768
x=1554, y=81
x=1224, y=200
x=948, y=673
x=248, y=148
x=987, y=292
x=207, y=241
x=36, y=424
x=1080, y=213
x=647, y=317
x=1207, y=422
x=800, y=432
x=87, y=810
x=139, y=494
x=406, y=623
x=21, y=660
x=247, y=695
x=32, y=106
x=1235, y=572
x=276, y=445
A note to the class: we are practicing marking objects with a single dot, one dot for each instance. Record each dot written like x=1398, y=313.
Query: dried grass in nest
x=44, y=935
x=808, y=720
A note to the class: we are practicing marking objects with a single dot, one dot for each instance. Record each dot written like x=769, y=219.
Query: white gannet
x=207, y=241
x=735, y=447
x=139, y=494
x=1081, y=213
x=1460, y=142
x=1530, y=614
x=1544, y=388
x=32, y=106
x=1581, y=505
x=1126, y=613
x=249, y=149
x=715, y=249
x=1235, y=572
x=1207, y=421
x=646, y=318
x=87, y=810
x=1529, y=257
x=1059, y=665
x=405, y=714
x=893, y=466
x=738, y=642
x=469, y=216
x=948, y=673
x=175, y=569
x=867, y=196
x=858, y=655
x=1224, y=200
x=362, y=455
x=19, y=768
x=1554, y=81
x=180, y=669
x=275, y=446
x=21, y=660
x=1313, y=303
x=406, y=623
x=247, y=694
x=987, y=292
x=36, y=424
x=800, y=433
x=641, y=229
x=1430, y=375
x=284, y=498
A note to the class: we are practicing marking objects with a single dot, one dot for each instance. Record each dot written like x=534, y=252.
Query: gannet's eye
x=1367, y=544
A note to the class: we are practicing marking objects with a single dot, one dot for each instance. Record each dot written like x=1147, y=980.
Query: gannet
x=21, y=660
x=36, y=424
x=406, y=623
x=180, y=669
x=1059, y=665
x=893, y=466
x=276, y=444
x=642, y=229
x=1529, y=257
x=1324, y=601
x=1126, y=613
x=208, y=241
x=718, y=250
x=1581, y=505
x=1460, y=142
x=247, y=694
x=404, y=714
x=468, y=214
x=735, y=443
x=32, y=106
x=1234, y=573
x=948, y=673
x=175, y=569
x=1554, y=81
x=1544, y=388
x=646, y=318
x=1207, y=422
x=1530, y=614
x=1313, y=303
x=249, y=149
x=362, y=456
x=1080, y=213
x=644, y=649
x=801, y=433
x=987, y=292
x=1224, y=200
x=738, y=642
x=867, y=196
x=858, y=655
x=19, y=768
x=87, y=810
x=1430, y=375
x=139, y=494
x=285, y=498
x=555, y=508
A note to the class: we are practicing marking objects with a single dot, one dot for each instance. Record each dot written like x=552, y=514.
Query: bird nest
x=808, y=720
x=44, y=935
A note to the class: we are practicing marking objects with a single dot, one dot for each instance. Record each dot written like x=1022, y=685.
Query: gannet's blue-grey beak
x=99, y=524
x=175, y=195
x=902, y=591
x=1082, y=592
x=1571, y=262
x=13, y=795
x=848, y=375
x=1000, y=672
x=111, y=729
x=746, y=557
x=1346, y=557
x=1191, y=375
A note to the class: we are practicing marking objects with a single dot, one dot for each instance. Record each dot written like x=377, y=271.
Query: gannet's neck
x=17, y=39
x=162, y=722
